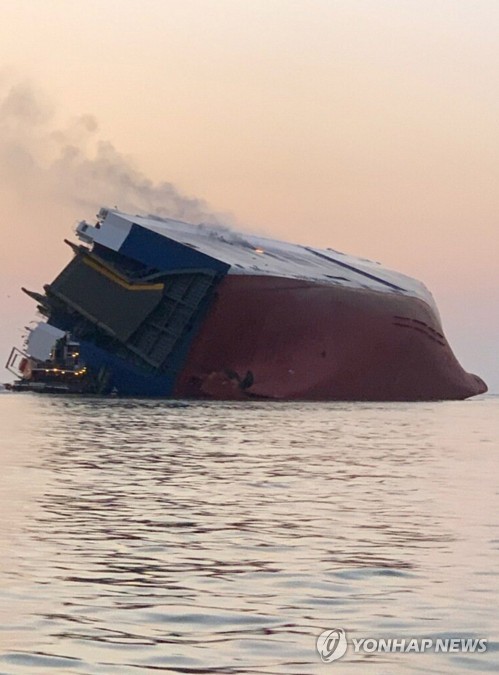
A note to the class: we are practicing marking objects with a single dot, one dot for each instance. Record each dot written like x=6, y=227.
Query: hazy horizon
x=369, y=127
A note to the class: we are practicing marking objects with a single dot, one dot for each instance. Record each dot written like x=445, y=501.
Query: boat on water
x=152, y=306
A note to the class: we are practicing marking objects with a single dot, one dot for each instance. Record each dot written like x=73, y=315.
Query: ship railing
x=14, y=361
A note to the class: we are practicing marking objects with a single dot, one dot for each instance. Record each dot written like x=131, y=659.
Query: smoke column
x=52, y=176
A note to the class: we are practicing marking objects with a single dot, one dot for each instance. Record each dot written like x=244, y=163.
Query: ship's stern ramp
x=135, y=316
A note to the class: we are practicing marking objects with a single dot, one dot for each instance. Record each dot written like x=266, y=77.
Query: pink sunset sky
x=370, y=126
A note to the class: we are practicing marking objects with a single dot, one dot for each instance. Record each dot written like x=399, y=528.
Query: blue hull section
x=154, y=250
x=123, y=377
x=135, y=354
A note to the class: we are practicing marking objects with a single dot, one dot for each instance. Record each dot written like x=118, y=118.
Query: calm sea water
x=146, y=536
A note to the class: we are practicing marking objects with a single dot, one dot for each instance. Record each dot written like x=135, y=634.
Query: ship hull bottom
x=287, y=339
x=281, y=339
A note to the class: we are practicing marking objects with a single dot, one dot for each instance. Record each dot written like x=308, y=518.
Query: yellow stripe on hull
x=118, y=279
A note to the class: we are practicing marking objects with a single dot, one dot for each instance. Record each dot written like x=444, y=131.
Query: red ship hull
x=291, y=339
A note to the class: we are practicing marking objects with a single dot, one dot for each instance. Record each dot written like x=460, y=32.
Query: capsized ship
x=158, y=307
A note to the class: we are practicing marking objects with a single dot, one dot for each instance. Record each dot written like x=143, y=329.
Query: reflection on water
x=147, y=536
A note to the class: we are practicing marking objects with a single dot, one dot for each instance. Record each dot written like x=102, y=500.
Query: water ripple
x=146, y=536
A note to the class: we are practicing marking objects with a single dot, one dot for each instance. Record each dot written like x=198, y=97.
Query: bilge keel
x=158, y=307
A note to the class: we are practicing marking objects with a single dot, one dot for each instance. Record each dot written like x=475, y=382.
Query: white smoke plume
x=52, y=175
x=77, y=167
